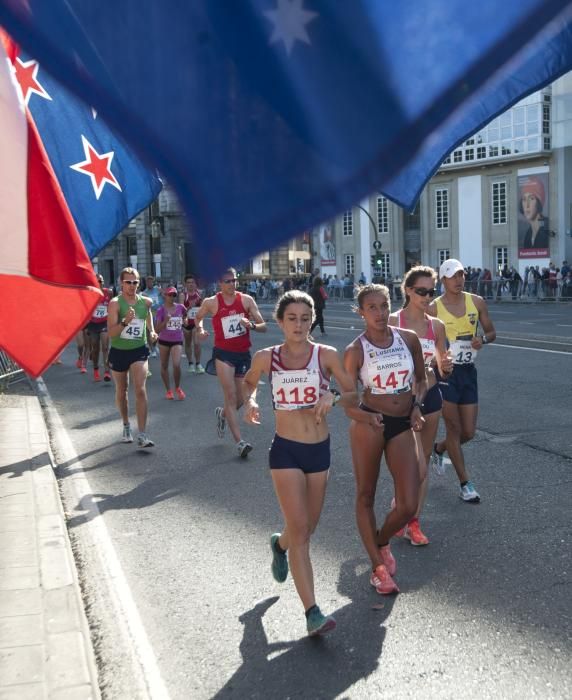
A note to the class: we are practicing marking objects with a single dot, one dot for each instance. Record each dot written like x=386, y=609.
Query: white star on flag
x=290, y=20
x=97, y=166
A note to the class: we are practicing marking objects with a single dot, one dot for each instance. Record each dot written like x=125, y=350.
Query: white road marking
x=527, y=323
x=564, y=325
x=520, y=347
x=127, y=614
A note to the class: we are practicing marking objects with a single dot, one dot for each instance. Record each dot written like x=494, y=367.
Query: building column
x=365, y=244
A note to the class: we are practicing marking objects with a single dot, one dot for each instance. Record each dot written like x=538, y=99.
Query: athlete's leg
x=188, y=336
x=367, y=449
x=105, y=349
x=138, y=373
x=164, y=353
x=452, y=442
x=232, y=396
x=425, y=449
x=95, y=341
x=176, y=352
x=196, y=346
x=468, y=413
x=403, y=464
x=121, y=380
x=301, y=497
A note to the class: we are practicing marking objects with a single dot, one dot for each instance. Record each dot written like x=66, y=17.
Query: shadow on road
x=318, y=667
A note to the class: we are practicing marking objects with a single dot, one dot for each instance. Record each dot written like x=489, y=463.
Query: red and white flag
x=48, y=287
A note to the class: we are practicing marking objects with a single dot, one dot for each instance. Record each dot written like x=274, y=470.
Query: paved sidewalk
x=45, y=647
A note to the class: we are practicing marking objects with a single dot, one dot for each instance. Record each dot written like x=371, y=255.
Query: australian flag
x=270, y=116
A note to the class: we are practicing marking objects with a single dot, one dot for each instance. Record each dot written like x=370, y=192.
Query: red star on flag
x=26, y=74
x=97, y=166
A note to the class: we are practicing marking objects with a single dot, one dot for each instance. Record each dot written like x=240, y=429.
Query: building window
x=382, y=215
x=412, y=219
x=385, y=267
x=349, y=266
x=131, y=245
x=444, y=254
x=457, y=156
x=469, y=154
x=501, y=256
x=546, y=143
x=481, y=152
x=499, y=203
x=442, y=208
x=348, y=223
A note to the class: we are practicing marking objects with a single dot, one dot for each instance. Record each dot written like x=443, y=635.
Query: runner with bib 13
x=461, y=312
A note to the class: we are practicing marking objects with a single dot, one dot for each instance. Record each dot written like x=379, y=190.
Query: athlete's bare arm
x=489, y=333
x=260, y=365
x=209, y=306
x=252, y=308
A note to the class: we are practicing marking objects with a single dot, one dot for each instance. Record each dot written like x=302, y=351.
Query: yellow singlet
x=459, y=327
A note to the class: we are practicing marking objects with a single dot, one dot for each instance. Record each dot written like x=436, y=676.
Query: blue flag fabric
x=269, y=116
x=104, y=183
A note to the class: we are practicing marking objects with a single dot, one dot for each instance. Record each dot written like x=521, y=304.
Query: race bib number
x=192, y=313
x=175, y=323
x=295, y=389
x=391, y=377
x=100, y=311
x=463, y=353
x=133, y=330
x=231, y=326
x=428, y=348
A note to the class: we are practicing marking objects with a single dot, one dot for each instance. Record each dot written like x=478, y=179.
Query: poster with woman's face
x=533, y=228
x=327, y=245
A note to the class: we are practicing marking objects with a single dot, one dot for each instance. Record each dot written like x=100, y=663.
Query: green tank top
x=458, y=327
x=135, y=334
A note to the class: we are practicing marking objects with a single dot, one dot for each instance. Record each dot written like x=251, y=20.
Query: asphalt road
x=485, y=610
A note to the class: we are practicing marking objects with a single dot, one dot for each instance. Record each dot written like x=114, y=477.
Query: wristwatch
x=418, y=404
x=337, y=396
x=252, y=325
x=124, y=323
x=484, y=339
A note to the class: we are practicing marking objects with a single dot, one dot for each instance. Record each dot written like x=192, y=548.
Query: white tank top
x=386, y=370
x=293, y=389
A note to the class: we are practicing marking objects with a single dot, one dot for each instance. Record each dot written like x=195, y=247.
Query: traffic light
x=376, y=260
x=373, y=257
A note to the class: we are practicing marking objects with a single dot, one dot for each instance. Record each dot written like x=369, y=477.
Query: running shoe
x=279, y=560
x=83, y=369
x=149, y=373
x=220, y=421
x=316, y=623
x=78, y=363
x=180, y=393
x=381, y=580
x=243, y=448
x=107, y=376
x=469, y=494
x=96, y=375
x=200, y=369
x=191, y=368
x=388, y=559
x=169, y=395
x=437, y=461
x=127, y=434
x=414, y=535
x=143, y=440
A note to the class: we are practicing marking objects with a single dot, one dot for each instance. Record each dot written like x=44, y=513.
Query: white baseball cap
x=450, y=267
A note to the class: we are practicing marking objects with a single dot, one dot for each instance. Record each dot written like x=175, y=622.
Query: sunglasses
x=230, y=280
x=130, y=281
x=171, y=295
x=422, y=292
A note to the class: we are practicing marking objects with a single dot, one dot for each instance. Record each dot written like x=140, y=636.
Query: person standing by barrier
x=319, y=296
x=461, y=313
x=234, y=316
x=299, y=372
x=169, y=319
x=129, y=323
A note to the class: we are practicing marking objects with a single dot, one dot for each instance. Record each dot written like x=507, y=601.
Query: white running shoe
x=469, y=494
x=243, y=448
x=191, y=368
x=127, y=434
x=438, y=462
x=200, y=369
x=143, y=440
x=220, y=421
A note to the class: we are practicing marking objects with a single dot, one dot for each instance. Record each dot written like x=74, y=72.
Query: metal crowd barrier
x=9, y=370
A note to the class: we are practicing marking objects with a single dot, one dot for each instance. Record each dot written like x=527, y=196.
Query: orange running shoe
x=381, y=580
x=96, y=375
x=169, y=395
x=388, y=559
x=107, y=376
x=414, y=535
x=180, y=393
x=83, y=369
x=78, y=363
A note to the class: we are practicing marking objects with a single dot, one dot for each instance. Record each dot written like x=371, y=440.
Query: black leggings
x=319, y=320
